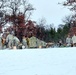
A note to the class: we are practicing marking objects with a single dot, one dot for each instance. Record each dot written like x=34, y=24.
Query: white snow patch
x=49, y=61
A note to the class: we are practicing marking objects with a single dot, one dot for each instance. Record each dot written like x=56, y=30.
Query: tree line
x=10, y=11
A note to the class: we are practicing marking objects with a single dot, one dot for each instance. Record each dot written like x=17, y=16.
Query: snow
x=49, y=61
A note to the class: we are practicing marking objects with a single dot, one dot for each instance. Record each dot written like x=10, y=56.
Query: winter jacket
x=24, y=42
x=9, y=40
x=74, y=39
x=33, y=42
x=68, y=41
x=16, y=41
x=41, y=43
x=0, y=42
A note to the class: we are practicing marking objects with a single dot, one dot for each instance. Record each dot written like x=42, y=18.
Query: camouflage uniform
x=68, y=41
x=0, y=42
x=27, y=39
x=15, y=41
x=24, y=42
x=74, y=40
x=9, y=40
x=41, y=43
x=33, y=42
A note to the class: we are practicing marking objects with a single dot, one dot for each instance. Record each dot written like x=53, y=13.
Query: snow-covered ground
x=49, y=61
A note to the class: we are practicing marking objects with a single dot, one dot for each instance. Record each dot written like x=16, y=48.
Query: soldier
x=68, y=41
x=16, y=42
x=74, y=39
x=3, y=43
x=9, y=40
x=24, y=42
x=43, y=44
x=39, y=43
x=33, y=42
x=60, y=43
x=0, y=41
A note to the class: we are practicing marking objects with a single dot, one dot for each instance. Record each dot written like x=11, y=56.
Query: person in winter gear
x=24, y=42
x=39, y=45
x=9, y=40
x=3, y=42
x=43, y=44
x=0, y=41
x=33, y=42
x=74, y=40
x=16, y=41
x=60, y=43
x=68, y=41
x=27, y=39
x=20, y=46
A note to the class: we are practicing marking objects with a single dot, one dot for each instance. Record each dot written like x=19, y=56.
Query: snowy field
x=50, y=61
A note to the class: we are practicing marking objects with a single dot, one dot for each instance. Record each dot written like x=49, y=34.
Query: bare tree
x=14, y=7
x=72, y=6
x=42, y=22
x=11, y=10
x=71, y=3
x=67, y=19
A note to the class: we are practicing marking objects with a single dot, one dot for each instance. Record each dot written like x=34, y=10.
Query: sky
x=50, y=10
x=50, y=61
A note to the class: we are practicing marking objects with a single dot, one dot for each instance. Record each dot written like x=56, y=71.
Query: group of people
x=9, y=41
x=71, y=41
x=12, y=42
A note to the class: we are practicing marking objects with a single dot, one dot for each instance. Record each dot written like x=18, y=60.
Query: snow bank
x=50, y=61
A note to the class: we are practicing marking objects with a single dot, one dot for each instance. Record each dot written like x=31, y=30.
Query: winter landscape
x=49, y=61
x=35, y=47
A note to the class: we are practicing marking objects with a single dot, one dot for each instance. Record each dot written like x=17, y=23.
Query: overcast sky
x=50, y=10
